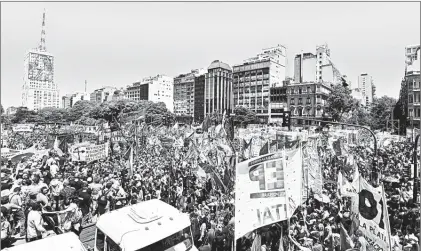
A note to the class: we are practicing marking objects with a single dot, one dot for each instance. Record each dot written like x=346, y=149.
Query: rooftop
x=219, y=64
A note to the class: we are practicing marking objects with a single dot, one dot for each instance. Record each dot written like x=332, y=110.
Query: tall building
x=102, y=94
x=365, y=84
x=39, y=89
x=199, y=98
x=218, y=89
x=253, y=78
x=184, y=92
x=412, y=79
x=70, y=99
x=319, y=68
x=411, y=53
x=158, y=88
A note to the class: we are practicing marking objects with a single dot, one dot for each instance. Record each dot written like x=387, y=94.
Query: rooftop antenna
x=42, y=43
x=86, y=84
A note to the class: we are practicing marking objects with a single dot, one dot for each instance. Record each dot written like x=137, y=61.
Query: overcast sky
x=119, y=43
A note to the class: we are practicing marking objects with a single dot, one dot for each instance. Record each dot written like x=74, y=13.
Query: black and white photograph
x=210, y=126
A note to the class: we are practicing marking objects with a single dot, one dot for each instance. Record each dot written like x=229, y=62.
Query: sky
x=117, y=44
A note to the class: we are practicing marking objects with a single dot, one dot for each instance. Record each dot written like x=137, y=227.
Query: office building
x=102, y=94
x=307, y=100
x=218, y=89
x=39, y=89
x=278, y=104
x=184, y=93
x=70, y=100
x=411, y=53
x=158, y=88
x=316, y=68
x=199, y=98
x=365, y=84
x=253, y=78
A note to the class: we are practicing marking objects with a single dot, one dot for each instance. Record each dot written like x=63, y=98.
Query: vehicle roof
x=137, y=226
x=62, y=242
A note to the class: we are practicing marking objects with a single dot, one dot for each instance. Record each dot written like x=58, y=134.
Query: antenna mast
x=86, y=83
x=42, y=43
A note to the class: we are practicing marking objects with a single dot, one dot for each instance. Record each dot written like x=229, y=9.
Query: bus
x=147, y=226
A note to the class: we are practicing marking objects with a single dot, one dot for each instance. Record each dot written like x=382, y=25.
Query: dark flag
x=265, y=149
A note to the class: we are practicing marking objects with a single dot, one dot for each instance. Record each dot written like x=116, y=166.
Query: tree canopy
x=243, y=116
x=381, y=111
x=340, y=102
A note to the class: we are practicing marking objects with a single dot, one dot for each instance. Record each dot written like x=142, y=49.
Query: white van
x=62, y=242
x=147, y=226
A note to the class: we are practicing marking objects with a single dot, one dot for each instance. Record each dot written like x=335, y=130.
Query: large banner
x=372, y=216
x=312, y=167
x=261, y=187
x=78, y=151
x=23, y=128
x=96, y=152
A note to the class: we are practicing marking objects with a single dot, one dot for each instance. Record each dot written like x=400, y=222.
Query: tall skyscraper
x=39, y=89
x=218, y=88
x=253, y=78
x=365, y=84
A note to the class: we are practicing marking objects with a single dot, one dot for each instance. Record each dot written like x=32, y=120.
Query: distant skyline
x=117, y=44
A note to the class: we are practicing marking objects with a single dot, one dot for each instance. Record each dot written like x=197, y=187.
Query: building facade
x=184, y=92
x=39, y=89
x=199, y=98
x=103, y=94
x=411, y=53
x=307, y=100
x=365, y=84
x=70, y=100
x=316, y=68
x=253, y=79
x=412, y=79
x=218, y=89
x=158, y=88
x=278, y=104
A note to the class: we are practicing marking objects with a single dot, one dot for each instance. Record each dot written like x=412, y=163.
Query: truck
x=62, y=242
x=147, y=226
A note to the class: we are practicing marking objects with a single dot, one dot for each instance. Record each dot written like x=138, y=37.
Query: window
x=292, y=101
x=111, y=245
x=308, y=100
x=300, y=101
x=411, y=99
x=408, y=50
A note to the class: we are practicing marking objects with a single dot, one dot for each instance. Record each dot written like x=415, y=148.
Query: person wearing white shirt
x=35, y=228
x=53, y=169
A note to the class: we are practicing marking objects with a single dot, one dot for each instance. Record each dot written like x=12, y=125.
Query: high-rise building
x=365, y=84
x=253, y=78
x=70, y=99
x=39, y=89
x=199, y=98
x=184, y=92
x=102, y=94
x=218, y=89
x=411, y=53
x=158, y=88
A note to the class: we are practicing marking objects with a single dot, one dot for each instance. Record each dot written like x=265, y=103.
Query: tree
x=359, y=115
x=340, y=102
x=81, y=108
x=381, y=111
x=1, y=109
x=52, y=115
x=23, y=115
x=243, y=116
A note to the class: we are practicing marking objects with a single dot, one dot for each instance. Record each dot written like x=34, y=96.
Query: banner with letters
x=23, y=128
x=372, y=215
x=311, y=166
x=96, y=152
x=261, y=187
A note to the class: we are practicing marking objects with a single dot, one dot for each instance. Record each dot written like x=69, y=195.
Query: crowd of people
x=43, y=195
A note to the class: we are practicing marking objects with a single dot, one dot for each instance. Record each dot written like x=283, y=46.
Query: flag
x=265, y=149
x=129, y=162
x=346, y=241
x=206, y=124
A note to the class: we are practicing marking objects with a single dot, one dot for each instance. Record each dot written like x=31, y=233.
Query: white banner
x=23, y=127
x=96, y=152
x=263, y=187
x=373, y=216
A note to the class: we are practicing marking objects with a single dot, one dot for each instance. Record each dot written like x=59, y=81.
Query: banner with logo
x=372, y=216
x=23, y=128
x=260, y=197
x=78, y=151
